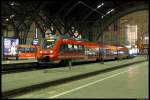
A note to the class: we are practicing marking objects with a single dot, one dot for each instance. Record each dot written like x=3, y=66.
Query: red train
x=62, y=50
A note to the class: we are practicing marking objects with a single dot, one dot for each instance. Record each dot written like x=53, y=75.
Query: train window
x=120, y=52
x=33, y=49
x=27, y=49
x=127, y=52
x=50, y=43
x=106, y=51
x=75, y=47
x=96, y=50
x=80, y=48
x=61, y=48
x=114, y=52
x=86, y=50
x=64, y=47
x=83, y=48
x=69, y=46
x=21, y=50
x=90, y=49
x=103, y=51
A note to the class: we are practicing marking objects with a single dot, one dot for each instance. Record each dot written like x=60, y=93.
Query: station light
x=100, y=5
x=11, y=16
x=146, y=38
x=12, y=3
x=110, y=11
x=102, y=16
x=107, y=13
x=72, y=27
x=7, y=19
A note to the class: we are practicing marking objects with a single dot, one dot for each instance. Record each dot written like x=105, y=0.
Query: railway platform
x=6, y=62
x=129, y=82
x=47, y=77
x=13, y=64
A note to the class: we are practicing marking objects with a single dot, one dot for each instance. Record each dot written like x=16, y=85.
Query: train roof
x=82, y=42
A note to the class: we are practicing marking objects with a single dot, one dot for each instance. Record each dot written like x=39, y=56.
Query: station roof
x=21, y=14
x=83, y=10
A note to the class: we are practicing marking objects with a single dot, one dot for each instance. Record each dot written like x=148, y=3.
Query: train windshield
x=49, y=43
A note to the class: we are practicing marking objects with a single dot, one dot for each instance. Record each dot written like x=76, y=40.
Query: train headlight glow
x=41, y=52
x=51, y=51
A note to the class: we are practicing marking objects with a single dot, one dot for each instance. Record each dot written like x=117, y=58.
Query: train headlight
x=51, y=51
x=41, y=52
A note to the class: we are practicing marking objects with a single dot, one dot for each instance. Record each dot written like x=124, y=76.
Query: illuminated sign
x=35, y=42
x=10, y=46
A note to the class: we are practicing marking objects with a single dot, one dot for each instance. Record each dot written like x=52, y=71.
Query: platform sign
x=35, y=42
x=10, y=46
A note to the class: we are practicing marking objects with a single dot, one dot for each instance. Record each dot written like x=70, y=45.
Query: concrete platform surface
x=128, y=82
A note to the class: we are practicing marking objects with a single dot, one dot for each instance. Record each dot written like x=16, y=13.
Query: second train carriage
x=28, y=52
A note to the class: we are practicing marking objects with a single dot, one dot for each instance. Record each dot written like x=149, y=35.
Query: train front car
x=48, y=52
